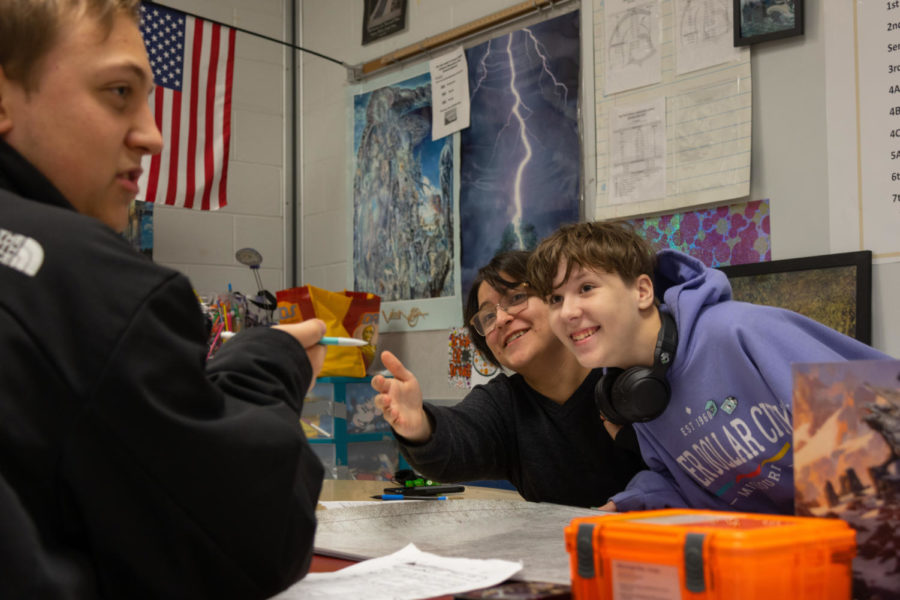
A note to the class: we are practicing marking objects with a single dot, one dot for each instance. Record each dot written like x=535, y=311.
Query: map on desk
x=530, y=532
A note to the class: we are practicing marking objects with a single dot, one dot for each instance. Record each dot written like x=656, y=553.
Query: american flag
x=193, y=67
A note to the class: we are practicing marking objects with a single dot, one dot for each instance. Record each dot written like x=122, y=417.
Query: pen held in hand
x=342, y=341
x=402, y=497
x=316, y=427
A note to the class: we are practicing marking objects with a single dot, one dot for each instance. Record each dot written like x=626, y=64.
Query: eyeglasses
x=485, y=319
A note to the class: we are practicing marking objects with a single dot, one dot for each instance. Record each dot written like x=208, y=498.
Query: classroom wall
x=804, y=150
x=202, y=244
x=841, y=169
x=805, y=155
x=335, y=29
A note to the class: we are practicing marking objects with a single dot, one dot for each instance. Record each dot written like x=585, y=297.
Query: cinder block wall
x=202, y=244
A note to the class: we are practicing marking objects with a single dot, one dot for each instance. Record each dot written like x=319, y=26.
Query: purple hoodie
x=724, y=441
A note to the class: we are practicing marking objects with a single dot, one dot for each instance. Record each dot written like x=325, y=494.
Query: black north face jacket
x=129, y=467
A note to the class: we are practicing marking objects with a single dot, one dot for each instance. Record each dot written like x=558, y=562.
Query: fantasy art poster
x=403, y=195
x=847, y=461
x=521, y=157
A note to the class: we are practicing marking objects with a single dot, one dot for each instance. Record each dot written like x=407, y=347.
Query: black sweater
x=130, y=468
x=550, y=452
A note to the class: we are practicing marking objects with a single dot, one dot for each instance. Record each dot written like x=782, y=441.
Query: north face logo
x=20, y=252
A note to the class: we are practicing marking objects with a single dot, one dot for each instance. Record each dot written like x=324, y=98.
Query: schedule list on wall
x=878, y=94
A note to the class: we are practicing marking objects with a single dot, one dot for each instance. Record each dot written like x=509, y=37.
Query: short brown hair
x=613, y=247
x=513, y=264
x=30, y=28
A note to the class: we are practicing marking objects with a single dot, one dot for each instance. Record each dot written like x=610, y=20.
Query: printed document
x=406, y=574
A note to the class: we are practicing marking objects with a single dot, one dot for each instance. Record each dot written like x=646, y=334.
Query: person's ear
x=5, y=116
x=644, y=288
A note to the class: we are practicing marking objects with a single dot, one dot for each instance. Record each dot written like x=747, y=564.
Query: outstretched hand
x=400, y=400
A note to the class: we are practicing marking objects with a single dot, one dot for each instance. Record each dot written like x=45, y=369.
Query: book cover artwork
x=847, y=461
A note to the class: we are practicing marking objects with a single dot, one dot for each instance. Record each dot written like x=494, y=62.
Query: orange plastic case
x=682, y=553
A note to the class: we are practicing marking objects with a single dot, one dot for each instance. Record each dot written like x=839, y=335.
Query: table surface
x=345, y=489
x=334, y=490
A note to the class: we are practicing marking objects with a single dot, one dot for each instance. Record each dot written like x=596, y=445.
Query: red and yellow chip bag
x=346, y=314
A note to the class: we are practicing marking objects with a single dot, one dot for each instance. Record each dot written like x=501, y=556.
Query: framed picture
x=833, y=289
x=764, y=20
x=381, y=18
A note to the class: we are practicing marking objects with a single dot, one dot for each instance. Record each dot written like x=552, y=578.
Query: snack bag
x=346, y=314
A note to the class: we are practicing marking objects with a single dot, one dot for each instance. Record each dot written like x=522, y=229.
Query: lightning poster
x=521, y=156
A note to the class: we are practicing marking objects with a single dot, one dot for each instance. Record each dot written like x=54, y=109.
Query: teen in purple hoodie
x=705, y=379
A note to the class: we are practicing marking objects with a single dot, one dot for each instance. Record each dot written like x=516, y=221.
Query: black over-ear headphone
x=639, y=394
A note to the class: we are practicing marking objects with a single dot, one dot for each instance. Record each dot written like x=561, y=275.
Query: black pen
x=402, y=497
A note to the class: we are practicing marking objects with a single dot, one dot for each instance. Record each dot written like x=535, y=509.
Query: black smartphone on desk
x=426, y=490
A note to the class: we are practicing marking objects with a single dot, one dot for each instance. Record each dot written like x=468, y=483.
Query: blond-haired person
x=129, y=468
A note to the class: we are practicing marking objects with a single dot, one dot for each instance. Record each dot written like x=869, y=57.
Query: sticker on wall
x=482, y=370
x=139, y=231
x=733, y=234
x=362, y=415
x=468, y=367
x=460, y=350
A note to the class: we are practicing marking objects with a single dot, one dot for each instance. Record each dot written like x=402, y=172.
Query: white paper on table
x=350, y=503
x=406, y=574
